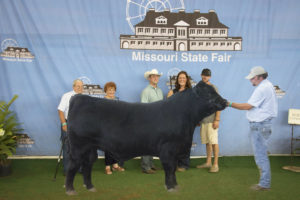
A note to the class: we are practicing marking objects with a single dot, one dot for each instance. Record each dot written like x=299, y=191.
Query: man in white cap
x=261, y=109
x=150, y=94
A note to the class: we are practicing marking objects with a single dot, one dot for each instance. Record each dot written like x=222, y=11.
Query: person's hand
x=215, y=124
x=65, y=128
x=227, y=103
x=170, y=93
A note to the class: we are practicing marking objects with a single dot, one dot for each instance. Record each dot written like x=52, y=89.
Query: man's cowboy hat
x=152, y=72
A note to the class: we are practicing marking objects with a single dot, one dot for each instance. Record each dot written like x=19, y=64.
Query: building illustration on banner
x=136, y=10
x=90, y=89
x=279, y=92
x=11, y=51
x=178, y=31
x=24, y=141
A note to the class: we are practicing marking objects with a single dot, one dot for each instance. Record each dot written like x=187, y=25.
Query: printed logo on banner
x=172, y=75
x=136, y=10
x=164, y=25
x=279, y=93
x=90, y=89
x=24, y=141
x=11, y=51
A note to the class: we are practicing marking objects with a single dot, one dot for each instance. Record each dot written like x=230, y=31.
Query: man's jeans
x=260, y=133
x=146, y=162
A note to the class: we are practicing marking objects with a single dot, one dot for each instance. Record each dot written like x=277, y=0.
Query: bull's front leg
x=169, y=163
x=71, y=172
x=90, y=158
x=170, y=177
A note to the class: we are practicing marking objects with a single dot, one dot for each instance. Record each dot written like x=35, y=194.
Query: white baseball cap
x=257, y=70
x=152, y=72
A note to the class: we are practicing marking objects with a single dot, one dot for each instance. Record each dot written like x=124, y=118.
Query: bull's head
x=210, y=100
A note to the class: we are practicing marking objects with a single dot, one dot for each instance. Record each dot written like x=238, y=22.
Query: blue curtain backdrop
x=57, y=41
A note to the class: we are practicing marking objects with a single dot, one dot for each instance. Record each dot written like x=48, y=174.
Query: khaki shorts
x=208, y=134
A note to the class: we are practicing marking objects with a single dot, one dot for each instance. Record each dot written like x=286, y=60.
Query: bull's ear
x=198, y=88
x=200, y=83
x=203, y=88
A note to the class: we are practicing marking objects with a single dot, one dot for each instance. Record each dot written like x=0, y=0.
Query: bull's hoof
x=92, y=189
x=174, y=189
x=71, y=192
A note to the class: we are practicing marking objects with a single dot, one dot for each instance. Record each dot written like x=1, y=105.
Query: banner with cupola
x=46, y=45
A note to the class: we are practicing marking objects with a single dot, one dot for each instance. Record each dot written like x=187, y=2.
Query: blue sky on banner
x=71, y=39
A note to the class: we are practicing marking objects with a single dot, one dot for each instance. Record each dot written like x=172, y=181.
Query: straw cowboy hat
x=152, y=72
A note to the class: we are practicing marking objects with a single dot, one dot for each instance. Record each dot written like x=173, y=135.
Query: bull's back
x=90, y=114
x=125, y=128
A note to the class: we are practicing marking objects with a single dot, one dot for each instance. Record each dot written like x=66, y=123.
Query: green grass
x=33, y=179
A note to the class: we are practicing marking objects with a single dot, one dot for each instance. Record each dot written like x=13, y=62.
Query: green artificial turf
x=33, y=179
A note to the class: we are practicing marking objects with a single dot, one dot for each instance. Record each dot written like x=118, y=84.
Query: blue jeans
x=146, y=162
x=260, y=133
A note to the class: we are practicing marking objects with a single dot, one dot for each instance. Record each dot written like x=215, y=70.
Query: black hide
x=164, y=129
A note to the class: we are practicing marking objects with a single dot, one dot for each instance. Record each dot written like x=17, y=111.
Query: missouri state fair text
x=183, y=57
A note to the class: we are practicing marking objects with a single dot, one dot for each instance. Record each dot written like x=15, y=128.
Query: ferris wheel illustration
x=173, y=72
x=85, y=80
x=8, y=43
x=136, y=9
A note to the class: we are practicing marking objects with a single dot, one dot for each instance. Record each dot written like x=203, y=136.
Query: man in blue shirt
x=261, y=109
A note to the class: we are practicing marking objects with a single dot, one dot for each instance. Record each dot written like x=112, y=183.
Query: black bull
x=127, y=130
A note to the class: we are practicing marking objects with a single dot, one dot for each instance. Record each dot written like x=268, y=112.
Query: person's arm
x=240, y=106
x=217, y=120
x=62, y=120
x=144, y=97
x=170, y=93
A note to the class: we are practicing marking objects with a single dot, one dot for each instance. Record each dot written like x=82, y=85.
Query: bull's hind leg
x=89, y=158
x=71, y=172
